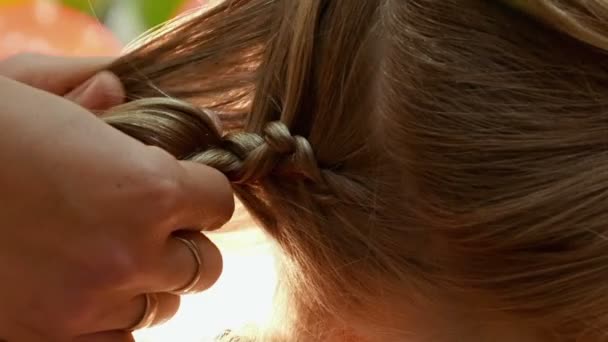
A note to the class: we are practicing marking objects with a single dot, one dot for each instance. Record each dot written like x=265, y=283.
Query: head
x=436, y=170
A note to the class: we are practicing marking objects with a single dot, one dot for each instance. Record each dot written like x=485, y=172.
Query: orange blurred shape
x=11, y=2
x=41, y=26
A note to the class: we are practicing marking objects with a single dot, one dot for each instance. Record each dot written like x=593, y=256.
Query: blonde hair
x=400, y=149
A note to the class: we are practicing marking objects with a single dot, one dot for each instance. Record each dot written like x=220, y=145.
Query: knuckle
x=119, y=269
x=109, y=267
x=77, y=308
x=159, y=183
x=161, y=196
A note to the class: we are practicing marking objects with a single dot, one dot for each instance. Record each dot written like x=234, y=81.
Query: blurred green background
x=151, y=12
x=140, y=14
x=148, y=13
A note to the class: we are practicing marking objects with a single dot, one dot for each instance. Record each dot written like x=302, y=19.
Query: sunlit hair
x=400, y=151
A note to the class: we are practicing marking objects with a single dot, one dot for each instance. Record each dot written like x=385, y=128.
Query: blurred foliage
x=156, y=12
x=153, y=12
x=89, y=6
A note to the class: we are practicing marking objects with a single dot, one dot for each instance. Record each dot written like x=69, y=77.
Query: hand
x=88, y=219
x=77, y=79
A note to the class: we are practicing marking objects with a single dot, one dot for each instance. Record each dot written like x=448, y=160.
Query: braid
x=172, y=125
x=249, y=157
x=190, y=133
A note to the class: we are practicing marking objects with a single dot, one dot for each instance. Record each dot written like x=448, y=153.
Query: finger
x=102, y=91
x=207, y=197
x=110, y=336
x=185, y=268
x=132, y=312
x=54, y=74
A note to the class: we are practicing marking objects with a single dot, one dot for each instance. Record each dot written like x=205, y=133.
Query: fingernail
x=79, y=94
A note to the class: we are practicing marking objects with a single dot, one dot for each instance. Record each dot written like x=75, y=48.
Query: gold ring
x=150, y=312
x=192, y=246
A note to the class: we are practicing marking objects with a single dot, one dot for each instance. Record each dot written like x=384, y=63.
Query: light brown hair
x=401, y=149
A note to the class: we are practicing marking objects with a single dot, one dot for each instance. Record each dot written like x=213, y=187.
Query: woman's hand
x=88, y=216
x=77, y=79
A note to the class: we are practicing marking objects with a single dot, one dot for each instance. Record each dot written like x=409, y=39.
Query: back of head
x=403, y=154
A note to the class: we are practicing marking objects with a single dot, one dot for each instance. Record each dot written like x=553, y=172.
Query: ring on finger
x=150, y=312
x=193, y=248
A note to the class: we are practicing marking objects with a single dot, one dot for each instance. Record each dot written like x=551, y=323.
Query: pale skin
x=88, y=213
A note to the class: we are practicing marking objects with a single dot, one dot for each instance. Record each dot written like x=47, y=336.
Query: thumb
x=57, y=75
x=102, y=91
